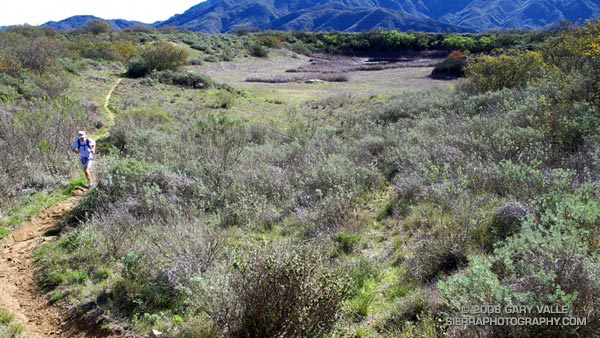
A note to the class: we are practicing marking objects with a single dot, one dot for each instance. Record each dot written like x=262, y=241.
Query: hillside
x=225, y=16
x=80, y=21
x=220, y=16
x=531, y=14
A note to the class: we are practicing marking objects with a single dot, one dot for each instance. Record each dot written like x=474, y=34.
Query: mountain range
x=224, y=16
x=79, y=21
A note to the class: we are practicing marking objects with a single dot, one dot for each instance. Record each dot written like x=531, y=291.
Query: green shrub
x=223, y=99
x=258, y=50
x=142, y=289
x=193, y=80
x=98, y=26
x=441, y=243
x=490, y=73
x=453, y=66
x=269, y=41
x=95, y=50
x=137, y=69
x=286, y=292
x=37, y=53
x=539, y=266
x=359, y=306
x=164, y=55
x=4, y=232
x=8, y=328
x=414, y=310
x=507, y=220
x=42, y=129
x=458, y=42
x=8, y=93
x=347, y=242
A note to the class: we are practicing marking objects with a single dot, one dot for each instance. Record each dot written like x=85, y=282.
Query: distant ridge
x=80, y=21
x=225, y=16
x=310, y=15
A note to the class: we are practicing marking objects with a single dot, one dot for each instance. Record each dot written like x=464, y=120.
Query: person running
x=85, y=147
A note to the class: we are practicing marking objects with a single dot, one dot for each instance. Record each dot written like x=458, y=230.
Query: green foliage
x=28, y=64
x=460, y=42
x=37, y=54
x=453, y=66
x=270, y=40
x=27, y=207
x=414, y=315
x=8, y=328
x=507, y=221
x=489, y=73
x=193, y=80
x=223, y=99
x=347, y=242
x=163, y=55
x=258, y=50
x=95, y=49
x=98, y=26
x=541, y=266
x=74, y=184
x=4, y=232
x=141, y=290
x=42, y=130
x=396, y=41
x=286, y=292
x=391, y=40
x=137, y=69
x=359, y=306
x=476, y=285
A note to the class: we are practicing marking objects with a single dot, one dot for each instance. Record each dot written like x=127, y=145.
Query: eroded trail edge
x=20, y=293
x=111, y=115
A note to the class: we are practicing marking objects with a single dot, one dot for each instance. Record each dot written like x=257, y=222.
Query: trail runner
x=85, y=147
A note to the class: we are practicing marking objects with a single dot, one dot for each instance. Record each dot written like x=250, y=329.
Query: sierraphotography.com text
x=515, y=315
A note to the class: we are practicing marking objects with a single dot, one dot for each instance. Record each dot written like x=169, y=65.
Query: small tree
x=489, y=73
x=97, y=26
x=164, y=56
x=285, y=293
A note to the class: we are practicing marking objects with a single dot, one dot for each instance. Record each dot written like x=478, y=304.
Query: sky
x=37, y=12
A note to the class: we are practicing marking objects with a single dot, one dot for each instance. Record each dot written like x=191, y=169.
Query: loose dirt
x=20, y=293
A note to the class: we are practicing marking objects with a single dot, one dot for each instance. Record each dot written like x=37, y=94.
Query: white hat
x=80, y=134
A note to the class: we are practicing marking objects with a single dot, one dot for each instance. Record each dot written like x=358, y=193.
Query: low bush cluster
x=33, y=143
x=193, y=80
x=159, y=56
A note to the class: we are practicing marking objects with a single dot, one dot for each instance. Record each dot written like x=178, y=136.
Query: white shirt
x=84, y=147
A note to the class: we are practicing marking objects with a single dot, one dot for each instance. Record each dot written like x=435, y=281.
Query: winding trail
x=20, y=294
x=111, y=115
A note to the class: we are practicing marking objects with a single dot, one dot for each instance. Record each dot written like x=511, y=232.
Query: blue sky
x=37, y=12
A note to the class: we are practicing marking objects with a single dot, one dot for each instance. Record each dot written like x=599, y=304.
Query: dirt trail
x=19, y=292
x=111, y=115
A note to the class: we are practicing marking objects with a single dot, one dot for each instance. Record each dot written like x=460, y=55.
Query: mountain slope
x=80, y=21
x=356, y=15
x=342, y=15
x=218, y=16
x=530, y=14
